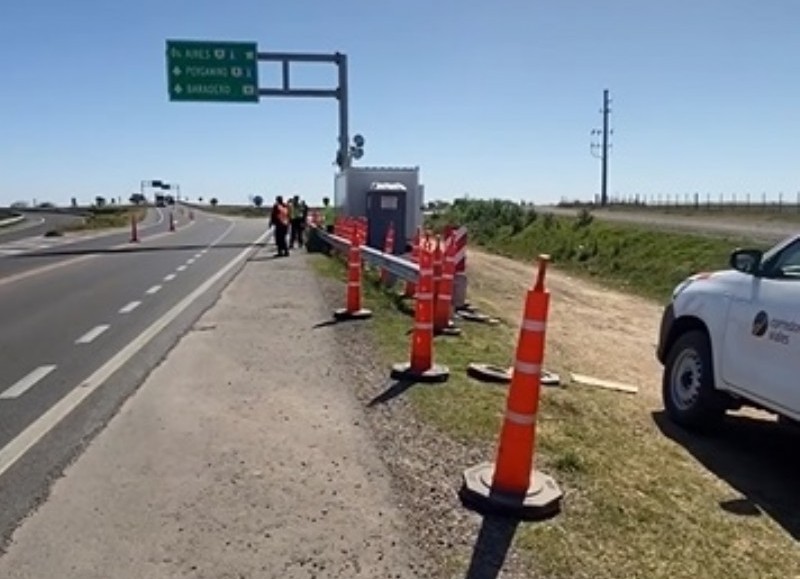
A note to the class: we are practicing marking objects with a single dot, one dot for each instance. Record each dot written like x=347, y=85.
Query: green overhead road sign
x=212, y=71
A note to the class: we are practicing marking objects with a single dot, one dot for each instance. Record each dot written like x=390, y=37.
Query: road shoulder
x=242, y=454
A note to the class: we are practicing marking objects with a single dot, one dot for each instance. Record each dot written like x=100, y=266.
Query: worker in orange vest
x=279, y=219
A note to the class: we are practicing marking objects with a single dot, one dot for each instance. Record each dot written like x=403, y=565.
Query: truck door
x=761, y=347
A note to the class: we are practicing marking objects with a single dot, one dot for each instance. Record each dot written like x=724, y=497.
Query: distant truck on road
x=732, y=338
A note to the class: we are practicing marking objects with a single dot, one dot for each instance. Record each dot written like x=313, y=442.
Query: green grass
x=636, y=504
x=107, y=218
x=629, y=257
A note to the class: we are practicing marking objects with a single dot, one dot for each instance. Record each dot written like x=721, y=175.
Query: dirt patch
x=592, y=330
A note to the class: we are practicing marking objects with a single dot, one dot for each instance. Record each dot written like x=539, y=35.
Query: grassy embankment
x=107, y=218
x=643, y=261
x=637, y=505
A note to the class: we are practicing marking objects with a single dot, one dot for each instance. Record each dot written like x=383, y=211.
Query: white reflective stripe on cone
x=461, y=255
x=422, y=326
x=354, y=284
x=534, y=325
x=424, y=296
x=447, y=276
x=445, y=296
x=425, y=271
x=521, y=419
x=526, y=368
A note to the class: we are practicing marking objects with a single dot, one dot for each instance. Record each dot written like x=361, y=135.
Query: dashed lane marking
x=26, y=383
x=92, y=334
x=130, y=307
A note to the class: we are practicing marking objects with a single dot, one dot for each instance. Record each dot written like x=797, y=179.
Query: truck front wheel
x=688, y=392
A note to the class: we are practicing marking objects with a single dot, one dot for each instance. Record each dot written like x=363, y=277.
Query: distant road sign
x=212, y=71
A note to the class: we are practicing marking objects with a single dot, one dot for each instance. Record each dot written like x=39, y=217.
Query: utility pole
x=604, y=147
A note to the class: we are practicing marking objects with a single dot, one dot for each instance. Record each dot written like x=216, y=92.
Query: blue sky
x=488, y=98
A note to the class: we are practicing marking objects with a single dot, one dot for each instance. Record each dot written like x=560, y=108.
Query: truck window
x=785, y=264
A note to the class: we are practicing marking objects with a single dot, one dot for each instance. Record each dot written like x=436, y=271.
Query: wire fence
x=722, y=202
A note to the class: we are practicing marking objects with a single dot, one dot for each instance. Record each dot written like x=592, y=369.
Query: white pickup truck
x=732, y=338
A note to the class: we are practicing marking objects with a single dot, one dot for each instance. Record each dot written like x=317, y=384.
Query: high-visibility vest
x=328, y=215
x=283, y=214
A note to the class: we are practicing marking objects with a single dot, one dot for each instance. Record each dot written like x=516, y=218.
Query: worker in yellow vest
x=328, y=215
x=296, y=218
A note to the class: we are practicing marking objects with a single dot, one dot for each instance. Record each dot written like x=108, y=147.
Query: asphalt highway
x=35, y=225
x=25, y=250
x=77, y=339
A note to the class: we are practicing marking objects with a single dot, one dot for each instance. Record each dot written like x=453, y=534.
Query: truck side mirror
x=746, y=260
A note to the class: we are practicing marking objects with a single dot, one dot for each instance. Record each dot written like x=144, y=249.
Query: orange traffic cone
x=442, y=322
x=512, y=485
x=421, y=367
x=353, y=311
x=134, y=230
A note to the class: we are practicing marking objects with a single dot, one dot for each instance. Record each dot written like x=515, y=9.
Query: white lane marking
x=15, y=449
x=182, y=268
x=205, y=251
x=92, y=334
x=153, y=290
x=198, y=255
x=130, y=307
x=190, y=261
x=27, y=382
x=169, y=277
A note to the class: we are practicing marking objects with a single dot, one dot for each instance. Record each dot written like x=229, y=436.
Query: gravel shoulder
x=244, y=454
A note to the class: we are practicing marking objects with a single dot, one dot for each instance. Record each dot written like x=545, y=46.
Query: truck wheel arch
x=685, y=324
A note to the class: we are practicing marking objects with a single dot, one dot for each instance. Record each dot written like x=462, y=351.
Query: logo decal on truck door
x=779, y=329
x=760, y=324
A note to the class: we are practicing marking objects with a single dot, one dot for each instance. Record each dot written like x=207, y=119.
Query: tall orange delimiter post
x=353, y=309
x=421, y=367
x=512, y=485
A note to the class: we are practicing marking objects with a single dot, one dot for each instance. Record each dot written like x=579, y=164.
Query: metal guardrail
x=397, y=266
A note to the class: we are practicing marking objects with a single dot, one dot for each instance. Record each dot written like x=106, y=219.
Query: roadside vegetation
x=629, y=257
x=636, y=504
x=108, y=217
